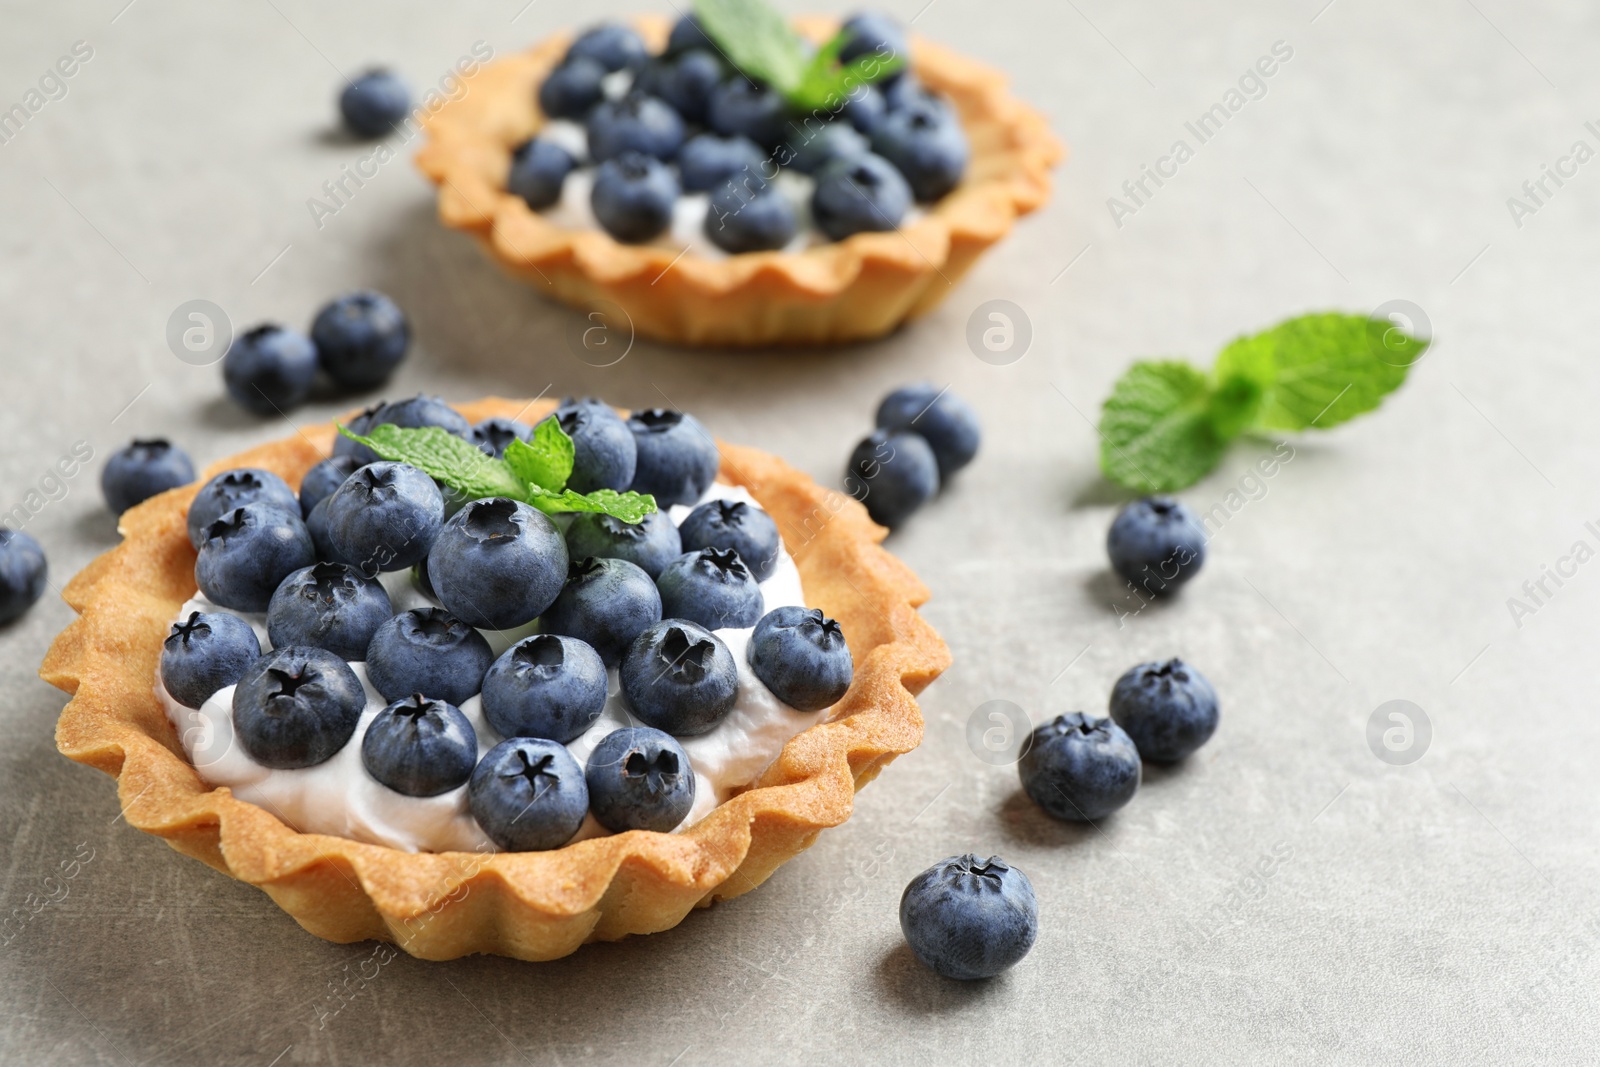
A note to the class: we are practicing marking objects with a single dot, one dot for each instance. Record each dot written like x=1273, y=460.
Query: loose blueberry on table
x=355, y=618
x=1168, y=709
x=850, y=156
x=1078, y=768
x=969, y=918
x=141, y=470
x=374, y=103
x=1156, y=544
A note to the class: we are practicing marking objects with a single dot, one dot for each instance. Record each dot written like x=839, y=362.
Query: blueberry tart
x=490, y=727
x=729, y=179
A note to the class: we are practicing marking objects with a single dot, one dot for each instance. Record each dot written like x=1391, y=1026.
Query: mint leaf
x=1321, y=369
x=1234, y=404
x=546, y=461
x=757, y=40
x=827, y=83
x=1157, y=431
x=444, y=456
x=629, y=507
x=474, y=474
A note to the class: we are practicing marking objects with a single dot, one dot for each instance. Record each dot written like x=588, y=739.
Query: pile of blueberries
x=645, y=598
x=688, y=122
x=968, y=918
x=924, y=436
x=357, y=340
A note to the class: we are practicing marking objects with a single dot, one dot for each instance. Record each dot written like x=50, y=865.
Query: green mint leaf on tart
x=757, y=40
x=474, y=474
x=1167, y=424
x=629, y=507
x=1156, y=429
x=442, y=455
x=827, y=83
x=545, y=461
x=1323, y=369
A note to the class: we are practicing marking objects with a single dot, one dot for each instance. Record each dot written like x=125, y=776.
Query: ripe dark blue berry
x=969, y=918
x=204, y=653
x=639, y=779
x=141, y=470
x=1156, y=544
x=296, y=707
x=1168, y=709
x=1080, y=768
x=893, y=474
x=801, y=655
x=269, y=370
x=420, y=747
x=528, y=794
x=374, y=103
x=361, y=338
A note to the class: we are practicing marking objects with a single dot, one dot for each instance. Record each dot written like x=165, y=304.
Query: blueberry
x=737, y=526
x=862, y=195
x=740, y=106
x=374, y=103
x=207, y=652
x=893, y=474
x=545, y=686
x=1079, y=768
x=650, y=545
x=269, y=370
x=633, y=196
x=494, y=435
x=1168, y=709
x=610, y=44
x=904, y=90
x=248, y=552
x=419, y=412
x=317, y=527
x=569, y=91
x=320, y=481
x=385, y=516
x=420, y=747
x=1156, y=544
x=361, y=338
x=360, y=423
x=687, y=33
x=141, y=470
x=328, y=605
x=639, y=779
x=684, y=81
x=539, y=168
x=604, y=453
x=707, y=160
x=528, y=795
x=927, y=144
x=811, y=150
x=800, y=654
x=746, y=216
x=235, y=488
x=712, y=587
x=865, y=108
x=606, y=603
x=969, y=918
x=498, y=563
x=678, y=459
x=680, y=678
x=873, y=32
x=427, y=650
x=639, y=123
x=941, y=418
x=22, y=573
x=296, y=707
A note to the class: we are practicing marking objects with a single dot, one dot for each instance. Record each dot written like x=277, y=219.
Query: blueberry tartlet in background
x=441, y=718
x=726, y=179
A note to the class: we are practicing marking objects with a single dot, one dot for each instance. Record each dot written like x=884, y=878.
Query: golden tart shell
x=531, y=905
x=850, y=290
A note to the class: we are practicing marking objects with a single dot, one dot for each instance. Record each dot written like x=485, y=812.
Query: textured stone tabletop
x=1287, y=896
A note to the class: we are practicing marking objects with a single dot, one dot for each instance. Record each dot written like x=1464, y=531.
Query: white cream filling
x=339, y=797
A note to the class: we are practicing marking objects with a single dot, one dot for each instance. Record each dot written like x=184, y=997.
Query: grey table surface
x=1286, y=896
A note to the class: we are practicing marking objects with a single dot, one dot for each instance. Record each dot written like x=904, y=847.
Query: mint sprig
x=757, y=40
x=534, y=472
x=1167, y=424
